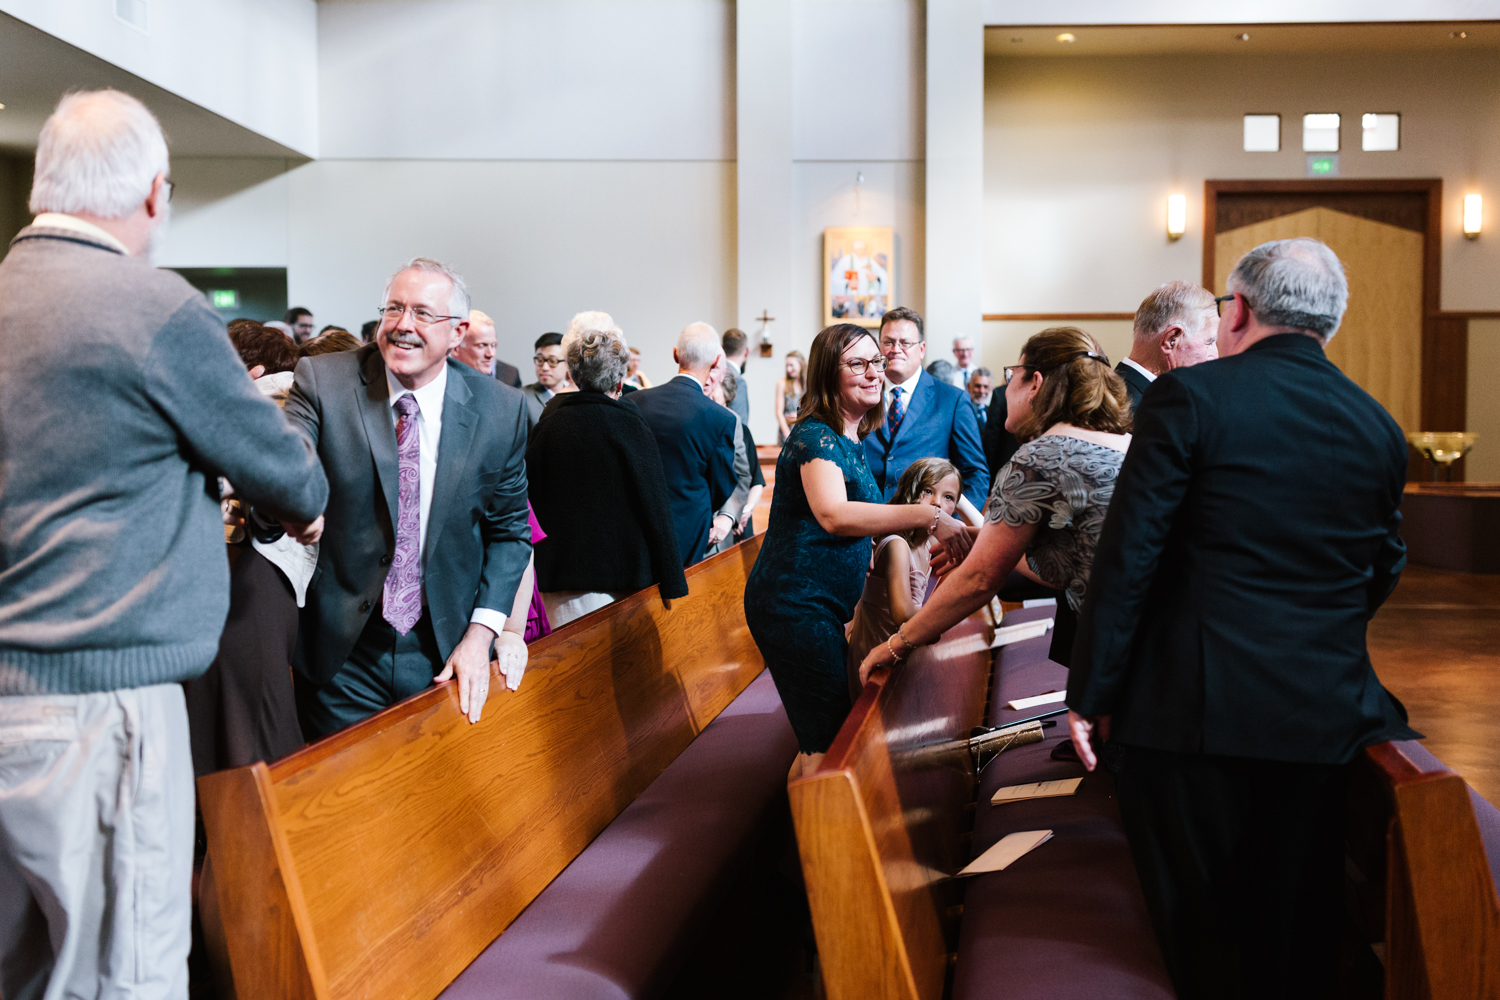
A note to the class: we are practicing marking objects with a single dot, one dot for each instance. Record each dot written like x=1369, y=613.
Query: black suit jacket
x=1254, y=530
x=695, y=436
x=999, y=443
x=1136, y=384
x=478, y=535
x=508, y=374
x=610, y=528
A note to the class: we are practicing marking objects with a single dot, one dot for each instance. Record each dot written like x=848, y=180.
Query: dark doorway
x=257, y=293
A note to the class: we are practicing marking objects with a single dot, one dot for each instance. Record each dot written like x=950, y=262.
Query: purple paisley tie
x=403, y=584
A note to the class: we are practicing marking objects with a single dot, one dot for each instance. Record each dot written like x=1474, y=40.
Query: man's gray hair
x=980, y=373
x=98, y=155
x=1173, y=304
x=458, y=299
x=597, y=359
x=1297, y=283
x=698, y=346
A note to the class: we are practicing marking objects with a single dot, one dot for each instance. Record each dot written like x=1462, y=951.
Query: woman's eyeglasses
x=861, y=365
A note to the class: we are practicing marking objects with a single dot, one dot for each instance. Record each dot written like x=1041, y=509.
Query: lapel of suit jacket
x=921, y=401
x=380, y=429
x=459, y=419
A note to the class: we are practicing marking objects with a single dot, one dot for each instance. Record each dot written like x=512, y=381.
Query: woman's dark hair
x=258, y=345
x=1078, y=385
x=824, y=375
x=332, y=342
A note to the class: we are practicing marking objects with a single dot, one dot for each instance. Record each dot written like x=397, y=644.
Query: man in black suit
x=1254, y=531
x=427, y=533
x=696, y=437
x=1176, y=326
x=551, y=374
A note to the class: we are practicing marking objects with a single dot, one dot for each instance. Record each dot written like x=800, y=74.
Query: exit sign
x=1323, y=165
x=224, y=298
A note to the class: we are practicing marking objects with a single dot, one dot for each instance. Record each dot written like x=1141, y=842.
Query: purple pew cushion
x=619, y=921
x=1487, y=815
x=1068, y=920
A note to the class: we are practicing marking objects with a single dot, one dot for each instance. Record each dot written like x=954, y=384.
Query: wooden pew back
x=880, y=824
x=379, y=862
x=1423, y=884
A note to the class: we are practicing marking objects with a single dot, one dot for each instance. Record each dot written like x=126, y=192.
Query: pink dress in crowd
x=536, y=617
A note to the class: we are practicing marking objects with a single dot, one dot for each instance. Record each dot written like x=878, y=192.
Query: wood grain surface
x=878, y=822
x=415, y=838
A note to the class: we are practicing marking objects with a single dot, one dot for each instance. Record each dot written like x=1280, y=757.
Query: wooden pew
x=379, y=862
x=1419, y=880
x=879, y=825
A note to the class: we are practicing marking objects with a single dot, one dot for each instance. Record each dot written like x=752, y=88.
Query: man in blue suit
x=924, y=418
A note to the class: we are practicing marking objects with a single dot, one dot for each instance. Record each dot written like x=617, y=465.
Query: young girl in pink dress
x=896, y=584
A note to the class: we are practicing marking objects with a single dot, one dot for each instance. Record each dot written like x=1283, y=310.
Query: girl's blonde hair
x=923, y=474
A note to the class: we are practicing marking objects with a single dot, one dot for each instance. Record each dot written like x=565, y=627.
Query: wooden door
x=1379, y=344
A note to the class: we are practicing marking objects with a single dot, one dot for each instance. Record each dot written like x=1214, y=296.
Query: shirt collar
x=57, y=220
x=1150, y=375
x=907, y=387
x=682, y=374
x=429, y=397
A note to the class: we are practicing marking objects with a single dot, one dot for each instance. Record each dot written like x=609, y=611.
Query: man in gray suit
x=551, y=373
x=427, y=536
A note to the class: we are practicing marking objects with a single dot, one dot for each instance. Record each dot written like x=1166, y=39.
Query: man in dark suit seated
x=478, y=350
x=427, y=533
x=924, y=417
x=1254, y=531
x=551, y=373
x=1176, y=326
x=696, y=437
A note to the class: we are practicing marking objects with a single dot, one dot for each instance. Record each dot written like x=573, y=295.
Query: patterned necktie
x=402, y=597
x=893, y=418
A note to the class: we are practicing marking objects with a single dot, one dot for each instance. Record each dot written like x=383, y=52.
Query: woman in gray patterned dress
x=1071, y=411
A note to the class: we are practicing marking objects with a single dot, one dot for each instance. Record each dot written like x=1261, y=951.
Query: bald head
x=698, y=350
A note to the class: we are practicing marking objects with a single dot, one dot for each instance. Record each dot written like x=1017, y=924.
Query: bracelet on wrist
x=901, y=631
x=898, y=657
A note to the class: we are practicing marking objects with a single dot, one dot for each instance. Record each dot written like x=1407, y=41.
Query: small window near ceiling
x=1320, y=133
x=1382, y=133
x=1262, y=133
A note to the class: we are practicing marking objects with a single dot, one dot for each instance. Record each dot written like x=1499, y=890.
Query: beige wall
x=1483, y=463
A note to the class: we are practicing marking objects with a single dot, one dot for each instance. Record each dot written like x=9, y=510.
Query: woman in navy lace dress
x=812, y=564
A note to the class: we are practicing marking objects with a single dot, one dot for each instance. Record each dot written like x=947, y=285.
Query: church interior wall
x=1483, y=463
x=1081, y=154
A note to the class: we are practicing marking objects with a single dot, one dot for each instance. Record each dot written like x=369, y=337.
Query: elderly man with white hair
x=1253, y=533
x=479, y=347
x=1176, y=326
x=420, y=572
x=121, y=403
x=696, y=438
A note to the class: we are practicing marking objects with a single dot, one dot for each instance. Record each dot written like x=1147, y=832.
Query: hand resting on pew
x=470, y=665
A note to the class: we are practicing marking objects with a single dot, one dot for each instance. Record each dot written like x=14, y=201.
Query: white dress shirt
x=1150, y=375
x=907, y=388
x=57, y=220
x=429, y=436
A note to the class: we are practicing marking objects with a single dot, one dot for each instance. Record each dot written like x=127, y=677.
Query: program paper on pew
x=1005, y=851
x=1036, y=790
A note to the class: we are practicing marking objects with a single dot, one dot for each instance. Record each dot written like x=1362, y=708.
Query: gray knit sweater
x=121, y=401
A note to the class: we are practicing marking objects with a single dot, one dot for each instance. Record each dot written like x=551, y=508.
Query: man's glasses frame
x=1220, y=300
x=542, y=362
x=423, y=317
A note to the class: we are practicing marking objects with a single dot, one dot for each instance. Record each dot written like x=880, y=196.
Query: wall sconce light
x=1176, y=216
x=1473, y=215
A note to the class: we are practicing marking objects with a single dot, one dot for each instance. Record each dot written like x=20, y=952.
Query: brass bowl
x=1443, y=447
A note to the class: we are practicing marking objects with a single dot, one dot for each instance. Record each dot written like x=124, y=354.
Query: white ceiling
x=36, y=69
x=1222, y=39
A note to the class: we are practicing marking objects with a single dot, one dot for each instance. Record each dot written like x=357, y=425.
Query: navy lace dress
x=805, y=585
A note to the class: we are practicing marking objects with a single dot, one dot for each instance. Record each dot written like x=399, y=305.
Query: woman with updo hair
x=596, y=486
x=1071, y=412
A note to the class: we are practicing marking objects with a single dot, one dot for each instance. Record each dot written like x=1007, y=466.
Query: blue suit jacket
x=939, y=423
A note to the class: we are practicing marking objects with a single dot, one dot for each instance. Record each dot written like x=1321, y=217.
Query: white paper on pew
x=1036, y=790
x=1006, y=850
x=1050, y=698
x=1040, y=602
x=1007, y=634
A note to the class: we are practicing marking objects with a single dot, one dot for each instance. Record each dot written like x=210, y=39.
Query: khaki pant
x=96, y=845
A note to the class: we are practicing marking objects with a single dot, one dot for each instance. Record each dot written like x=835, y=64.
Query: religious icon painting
x=859, y=274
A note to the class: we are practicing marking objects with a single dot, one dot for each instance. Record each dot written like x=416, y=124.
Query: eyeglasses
x=1219, y=302
x=861, y=365
x=171, y=188
x=904, y=346
x=423, y=317
x=1010, y=373
x=542, y=362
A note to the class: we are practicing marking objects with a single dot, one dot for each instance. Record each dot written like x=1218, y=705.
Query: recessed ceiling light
x=1458, y=34
x=1067, y=36
x=1242, y=37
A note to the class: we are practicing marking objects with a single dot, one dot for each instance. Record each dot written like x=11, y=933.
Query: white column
x=763, y=150
x=955, y=169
